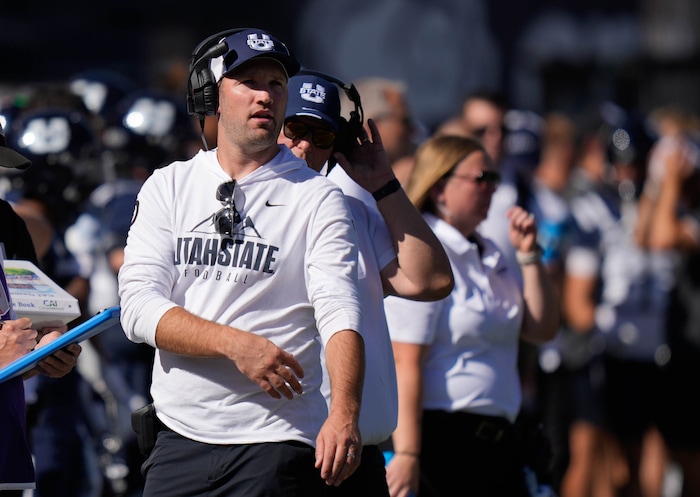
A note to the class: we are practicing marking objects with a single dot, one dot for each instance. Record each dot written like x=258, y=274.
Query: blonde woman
x=459, y=391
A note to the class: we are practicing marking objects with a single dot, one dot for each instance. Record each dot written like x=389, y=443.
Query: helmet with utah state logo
x=65, y=157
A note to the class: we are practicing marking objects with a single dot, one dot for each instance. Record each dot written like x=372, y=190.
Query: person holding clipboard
x=17, y=338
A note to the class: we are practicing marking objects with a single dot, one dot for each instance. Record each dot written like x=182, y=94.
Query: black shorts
x=632, y=397
x=678, y=413
x=587, y=385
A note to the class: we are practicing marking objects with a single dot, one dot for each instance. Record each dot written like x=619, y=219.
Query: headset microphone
x=214, y=51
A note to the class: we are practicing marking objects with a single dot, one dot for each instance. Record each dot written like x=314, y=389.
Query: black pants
x=182, y=467
x=469, y=455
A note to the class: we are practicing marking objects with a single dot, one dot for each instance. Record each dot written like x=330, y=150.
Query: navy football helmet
x=153, y=129
x=65, y=155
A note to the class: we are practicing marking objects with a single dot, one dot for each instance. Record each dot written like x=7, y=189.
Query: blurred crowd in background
x=544, y=55
x=581, y=106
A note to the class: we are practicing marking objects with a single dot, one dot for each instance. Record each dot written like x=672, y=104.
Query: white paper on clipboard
x=33, y=294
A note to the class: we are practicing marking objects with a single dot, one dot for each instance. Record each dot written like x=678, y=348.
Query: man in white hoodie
x=240, y=265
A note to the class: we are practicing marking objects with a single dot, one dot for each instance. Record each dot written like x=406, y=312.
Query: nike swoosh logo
x=268, y=204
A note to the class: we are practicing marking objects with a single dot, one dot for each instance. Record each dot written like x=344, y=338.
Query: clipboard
x=102, y=321
x=33, y=294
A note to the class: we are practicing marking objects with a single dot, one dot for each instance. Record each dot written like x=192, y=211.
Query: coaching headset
x=203, y=90
x=202, y=86
x=348, y=129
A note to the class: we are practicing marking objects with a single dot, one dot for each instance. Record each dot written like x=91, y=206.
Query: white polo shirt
x=473, y=333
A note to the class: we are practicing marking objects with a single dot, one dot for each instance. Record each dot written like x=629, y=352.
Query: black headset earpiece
x=349, y=129
x=202, y=89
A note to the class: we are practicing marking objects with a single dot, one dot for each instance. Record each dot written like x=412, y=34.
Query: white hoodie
x=288, y=273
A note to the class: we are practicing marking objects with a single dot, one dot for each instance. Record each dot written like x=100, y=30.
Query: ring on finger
x=350, y=455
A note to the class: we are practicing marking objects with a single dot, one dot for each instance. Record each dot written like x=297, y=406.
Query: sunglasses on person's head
x=488, y=177
x=321, y=137
x=228, y=217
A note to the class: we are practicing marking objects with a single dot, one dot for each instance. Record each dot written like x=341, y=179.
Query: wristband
x=526, y=258
x=391, y=187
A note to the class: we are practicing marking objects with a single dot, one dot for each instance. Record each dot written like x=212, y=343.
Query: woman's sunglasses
x=488, y=177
